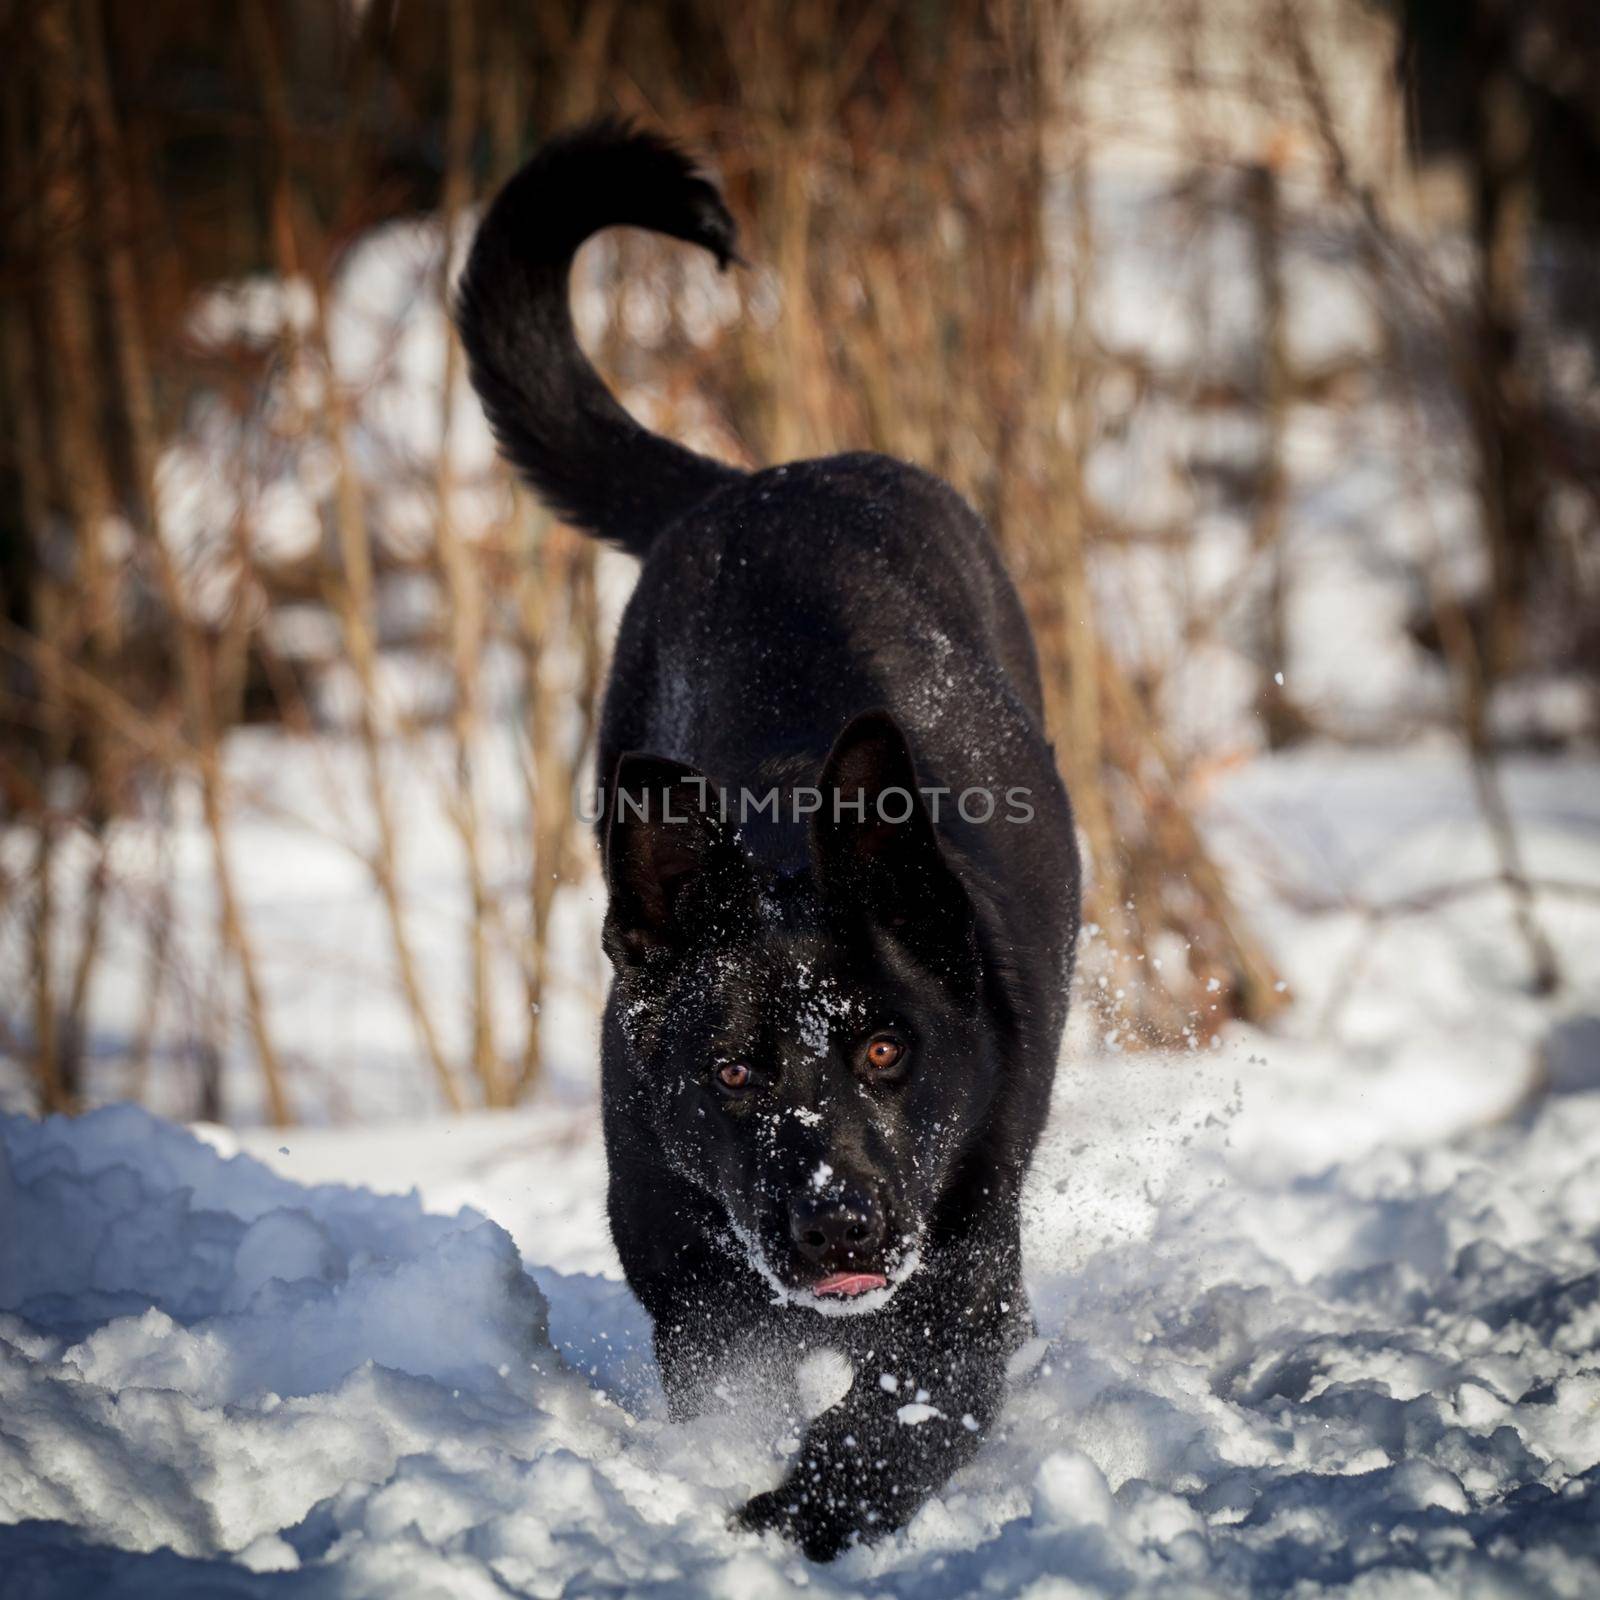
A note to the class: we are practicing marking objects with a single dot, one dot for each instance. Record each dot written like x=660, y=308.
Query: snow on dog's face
x=810, y=1046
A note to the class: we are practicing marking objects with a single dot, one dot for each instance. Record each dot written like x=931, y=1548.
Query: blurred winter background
x=1265, y=334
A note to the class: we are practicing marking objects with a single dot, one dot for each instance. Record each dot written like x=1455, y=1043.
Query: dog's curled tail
x=590, y=462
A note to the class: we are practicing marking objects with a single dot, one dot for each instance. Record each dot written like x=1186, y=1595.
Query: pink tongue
x=849, y=1283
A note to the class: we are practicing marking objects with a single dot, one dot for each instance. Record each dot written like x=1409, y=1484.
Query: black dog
x=843, y=887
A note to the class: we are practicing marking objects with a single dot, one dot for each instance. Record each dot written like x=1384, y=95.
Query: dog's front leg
x=713, y=1343
x=866, y=1466
x=708, y=1362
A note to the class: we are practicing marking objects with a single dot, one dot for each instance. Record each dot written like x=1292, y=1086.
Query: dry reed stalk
x=89, y=698
x=73, y=1032
x=230, y=650
x=80, y=482
x=1281, y=720
x=561, y=563
x=1152, y=873
x=1472, y=667
x=137, y=403
x=894, y=180
x=158, y=938
x=1080, y=673
x=555, y=602
x=1065, y=364
x=54, y=1093
x=789, y=76
x=527, y=541
x=462, y=589
x=1494, y=385
x=352, y=600
x=351, y=589
x=20, y=359
x=1228, y=944
x=966, y=365
x=581, y=45
x=548, y=808
x=1470, y=681
x=538, y=773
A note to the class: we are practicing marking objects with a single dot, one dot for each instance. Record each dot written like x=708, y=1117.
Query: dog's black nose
x=844, y=1228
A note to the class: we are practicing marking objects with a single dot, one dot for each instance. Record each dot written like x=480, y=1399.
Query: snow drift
x=1382, y=1379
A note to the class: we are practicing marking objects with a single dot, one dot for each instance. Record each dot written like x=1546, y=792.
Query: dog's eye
x=733, y=1075
x=884, y=1052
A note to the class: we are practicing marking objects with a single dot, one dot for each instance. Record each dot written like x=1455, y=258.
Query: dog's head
x=809, y=1045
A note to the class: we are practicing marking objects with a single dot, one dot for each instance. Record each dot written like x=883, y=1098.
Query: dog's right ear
x=665, y=837
x=894, y=871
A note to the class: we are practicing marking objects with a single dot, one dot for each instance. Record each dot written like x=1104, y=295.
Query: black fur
x=844, y=624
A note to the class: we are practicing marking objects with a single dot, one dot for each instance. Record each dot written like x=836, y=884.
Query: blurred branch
x=934, y=201
x=138, y=408
x=461, y=586
x=1373, y=917
x=1472, y=665
x=352, y=595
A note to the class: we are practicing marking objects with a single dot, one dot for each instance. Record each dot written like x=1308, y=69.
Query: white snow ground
x=1318, y=1313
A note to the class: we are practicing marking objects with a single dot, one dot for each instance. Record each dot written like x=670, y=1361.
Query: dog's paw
x=769, y=1512
x=820, y=1534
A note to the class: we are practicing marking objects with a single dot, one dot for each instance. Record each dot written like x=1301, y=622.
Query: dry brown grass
x=914, y=187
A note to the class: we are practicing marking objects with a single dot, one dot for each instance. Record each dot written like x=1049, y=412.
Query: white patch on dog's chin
x=855, y=1305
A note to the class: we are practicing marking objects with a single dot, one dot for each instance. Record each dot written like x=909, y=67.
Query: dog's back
x=794, y=599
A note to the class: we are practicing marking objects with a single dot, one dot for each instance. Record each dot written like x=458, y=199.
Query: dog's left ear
x=877, y=851
x=670, y=859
